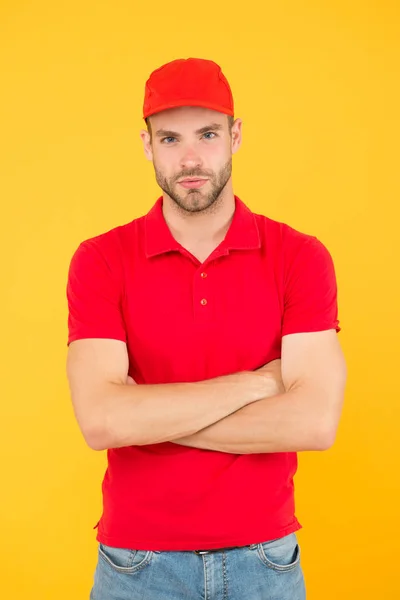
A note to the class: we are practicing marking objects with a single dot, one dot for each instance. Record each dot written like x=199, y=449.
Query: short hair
x=231, y=121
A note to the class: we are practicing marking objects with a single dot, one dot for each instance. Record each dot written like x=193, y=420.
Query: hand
x=272, y=371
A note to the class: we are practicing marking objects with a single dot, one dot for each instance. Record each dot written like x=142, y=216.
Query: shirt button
x=203, y=302
x=203, y=275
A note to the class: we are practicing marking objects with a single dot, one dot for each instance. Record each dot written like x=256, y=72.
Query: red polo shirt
x=186, y=321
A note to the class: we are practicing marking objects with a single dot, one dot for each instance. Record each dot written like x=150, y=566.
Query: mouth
x=194, y=182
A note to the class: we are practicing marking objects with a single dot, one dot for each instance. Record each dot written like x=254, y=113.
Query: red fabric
x=188, y=82
x=135, y=283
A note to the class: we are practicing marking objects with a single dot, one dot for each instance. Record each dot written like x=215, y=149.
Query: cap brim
x=188, y=102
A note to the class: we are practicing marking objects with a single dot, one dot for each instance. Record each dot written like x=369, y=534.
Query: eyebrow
x=169, y=133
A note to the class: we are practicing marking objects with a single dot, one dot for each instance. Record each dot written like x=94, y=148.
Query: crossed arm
x=304, y=391
x=304, y=417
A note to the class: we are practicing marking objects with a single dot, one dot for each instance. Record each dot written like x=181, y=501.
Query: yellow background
x=317, y=86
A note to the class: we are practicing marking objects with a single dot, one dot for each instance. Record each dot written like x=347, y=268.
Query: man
x=203, y=355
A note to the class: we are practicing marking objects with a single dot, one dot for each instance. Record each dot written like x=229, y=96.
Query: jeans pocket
x=124, y=560
x=282, y=554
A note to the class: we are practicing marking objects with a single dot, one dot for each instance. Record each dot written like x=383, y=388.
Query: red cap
x=188, y=82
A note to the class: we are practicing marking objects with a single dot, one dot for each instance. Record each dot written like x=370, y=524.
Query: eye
x=167, y=138
x=210, y=133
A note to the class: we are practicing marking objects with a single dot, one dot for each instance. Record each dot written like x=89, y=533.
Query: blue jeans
x=266, y=571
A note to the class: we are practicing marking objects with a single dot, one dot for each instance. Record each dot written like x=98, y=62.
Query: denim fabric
x=266, y=571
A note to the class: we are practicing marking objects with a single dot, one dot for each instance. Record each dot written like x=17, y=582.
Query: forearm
x=286, y=422
x=150, y=414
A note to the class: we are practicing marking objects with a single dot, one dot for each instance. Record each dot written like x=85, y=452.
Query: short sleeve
x=94, y=296
x=310, y=289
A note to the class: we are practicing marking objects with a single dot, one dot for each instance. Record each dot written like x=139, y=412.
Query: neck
x=205, y=227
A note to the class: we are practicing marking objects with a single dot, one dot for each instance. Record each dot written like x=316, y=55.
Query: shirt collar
x=242, y=234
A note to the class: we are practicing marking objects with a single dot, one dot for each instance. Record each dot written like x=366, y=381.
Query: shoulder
x=285, y=238
x=114, y=243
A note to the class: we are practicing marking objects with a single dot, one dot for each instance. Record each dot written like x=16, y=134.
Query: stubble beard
x=195, y=200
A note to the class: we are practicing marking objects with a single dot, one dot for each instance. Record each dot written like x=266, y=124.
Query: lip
x=192, y=183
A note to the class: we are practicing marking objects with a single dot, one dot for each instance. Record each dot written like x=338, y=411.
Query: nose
x=190, y=159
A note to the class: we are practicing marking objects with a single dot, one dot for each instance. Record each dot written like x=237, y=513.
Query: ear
x=145, y=137
x=236, y=135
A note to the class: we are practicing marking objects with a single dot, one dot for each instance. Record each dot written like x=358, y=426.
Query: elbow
x=96, y=440
x=96, y=436
x=327, y=426
x=96, y=445
x=101, y=438
x=325, y=437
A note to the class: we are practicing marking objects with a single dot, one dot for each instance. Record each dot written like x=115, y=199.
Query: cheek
x=162, y=165
x=166, y=161
x=218, y=154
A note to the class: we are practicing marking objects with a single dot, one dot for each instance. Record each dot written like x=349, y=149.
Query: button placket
x=201, y=296
x=203, y=301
